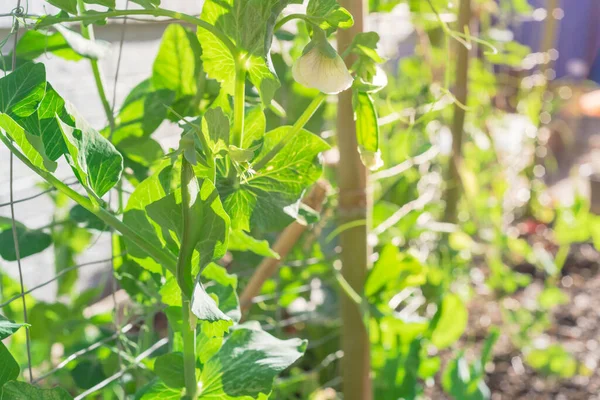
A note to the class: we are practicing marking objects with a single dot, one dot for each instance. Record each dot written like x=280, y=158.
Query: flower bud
x=321, y=67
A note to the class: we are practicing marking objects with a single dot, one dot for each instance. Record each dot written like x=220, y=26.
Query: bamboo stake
x=354, y=205
x=453, y=189
x=284, y=244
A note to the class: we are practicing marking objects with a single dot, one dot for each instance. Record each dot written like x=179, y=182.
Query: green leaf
x=254, y=127
x=329, y=14
x=30, y=242
x=14, y=390
x=249, y=25
x=247, y=364
x=43, y=124
x=211, y=222
x=205, y=308
x=9, y=368
x=8, y=327
x=223, y=287
x=87, y=219
x=393, y=272
x=159, y=391
x=169, y=368
x=152, y=189
x=95, y=161
x=452, y=321
x=142, y=112
x=34, y=153
x=92, y=49
x=459, y=381
x=175, y=66
x=241, y=241
x=215, y=127
x=22, y=91
x=88, y=373
x=270, y=198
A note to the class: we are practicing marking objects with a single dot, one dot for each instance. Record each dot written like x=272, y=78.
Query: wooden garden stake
x=354, y=206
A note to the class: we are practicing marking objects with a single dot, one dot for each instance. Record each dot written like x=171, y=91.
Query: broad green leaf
x=22, y=91
x=211, y=223
x=241, y=241
x=249, y=25
x=452, y=321
x=152, y=189
x=34, y=153
x=88, y=373
x=34, y=43
x=95, y=161
x=9, y=368
x=144, y=109
x=169, y=368
x=176, y=65
x=159, y=391
x=215, y=127
x=247, y=364
x=223, y=287
x=205, y=308
x=92, y=49
x=269, y=199
x=87, y=219
x=367, y=128
x=8, y=327
x=329, y=14
x=552, y=361
x=43, y=124
x=393, y=272
x=14, y=390
x=30, y=242
x=254, y=127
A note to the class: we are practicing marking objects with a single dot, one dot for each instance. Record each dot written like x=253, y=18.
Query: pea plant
x=228, y=177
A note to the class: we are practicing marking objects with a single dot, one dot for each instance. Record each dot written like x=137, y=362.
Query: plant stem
x=188, y=334
x=297, y=127
x=290, y=17
x=185, y=281
x=239, y=100
x=88, y=33
x=453, y=189
x=162, y=257
x=186, y=249
x=157, y=12
x=354, y=205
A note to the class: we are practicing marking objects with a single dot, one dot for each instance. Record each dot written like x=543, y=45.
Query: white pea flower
x=321, y=67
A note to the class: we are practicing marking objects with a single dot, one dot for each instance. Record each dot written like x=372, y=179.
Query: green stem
x=290, y=17
x=297, y=127
x=239, y=100
x=157, y=12
x=88, y=33
x=188, y=334
x=186, y=250
x=164, y=258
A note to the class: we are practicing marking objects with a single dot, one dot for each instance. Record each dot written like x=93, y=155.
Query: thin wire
x=12, y=206
x=34, y=196
x=56, y=277
x=120, y=201
x=119, y=374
